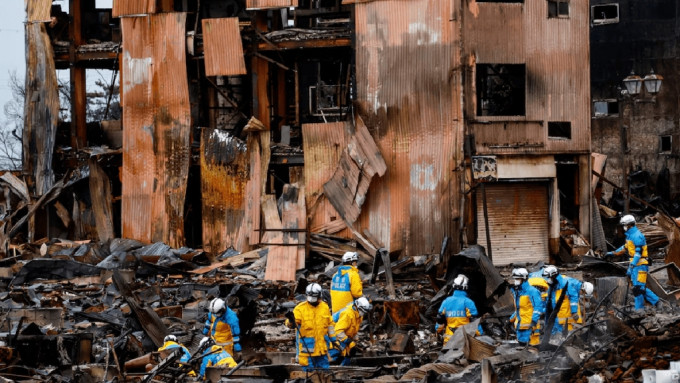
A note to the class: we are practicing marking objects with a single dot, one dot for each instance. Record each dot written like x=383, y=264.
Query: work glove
x=237, y=347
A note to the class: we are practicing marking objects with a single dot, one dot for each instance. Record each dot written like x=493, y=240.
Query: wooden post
x=78, y=79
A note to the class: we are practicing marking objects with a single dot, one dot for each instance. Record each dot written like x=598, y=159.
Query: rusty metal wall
x=225, y=170
x=223, y=47
x=263, y=4
x=323, y=145
x=518, y=221
x=133, y=7
x=556, y=54
x=410, y=92
x=156, y=133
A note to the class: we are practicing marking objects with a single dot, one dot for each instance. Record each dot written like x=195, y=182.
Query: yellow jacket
x=313, y=322
x=345, y=287
x=347, y=322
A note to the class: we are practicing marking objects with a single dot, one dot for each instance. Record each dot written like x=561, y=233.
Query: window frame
x=605, y=21
x=558, y=15
x=484, y=92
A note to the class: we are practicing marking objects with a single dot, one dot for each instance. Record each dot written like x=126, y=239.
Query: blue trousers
x=314, y=363
x=638, y=278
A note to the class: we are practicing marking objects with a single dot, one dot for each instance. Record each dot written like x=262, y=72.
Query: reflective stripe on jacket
x=313, y=322
x=528, y=306
x=635, y=246
x=347, y=322
x=345, y=287
x=224, y=329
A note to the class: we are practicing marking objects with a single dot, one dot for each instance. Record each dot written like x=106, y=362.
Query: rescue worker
x=213, y=355
x=347, y=323
x=636, y=248
x=313, y=322
x=170, y=342
x=528, y=305
x=581, y=289
x=537, y=281
x=222, y=325
x=456, y=310
x=346, y=284
x=568, y=309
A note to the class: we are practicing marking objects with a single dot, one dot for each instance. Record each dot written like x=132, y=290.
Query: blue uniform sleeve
x=472, y=307
x=206, y=327
x=539, y=307
x=232, y=321
x=619, y=251
x=206, y=361
x=573, y=294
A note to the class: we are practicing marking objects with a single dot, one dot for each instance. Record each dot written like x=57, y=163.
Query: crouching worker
x=213, y=355
x=456, y=310
x=347, y=323
x=312, y=321
x=170, y=343
x=528, y=305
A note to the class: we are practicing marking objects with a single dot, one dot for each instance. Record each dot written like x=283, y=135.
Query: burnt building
x=397, y=123
x=635, y=45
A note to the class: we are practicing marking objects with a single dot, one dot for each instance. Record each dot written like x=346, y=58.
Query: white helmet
x=350, y=256
x=205, y=340
x=587, y=288
x=363, y=305
x=170, y=338
x=550, y=272
x=461, y=282
x=313, y=292
x=520, y=274
x=217, y=306
x=627, y=220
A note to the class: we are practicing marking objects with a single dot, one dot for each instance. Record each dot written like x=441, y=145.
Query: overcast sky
x=13, y=55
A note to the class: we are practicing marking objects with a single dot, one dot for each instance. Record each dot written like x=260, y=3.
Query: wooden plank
x=100, y=194
x=235, y=260
x=282, y=260
x=294, y=217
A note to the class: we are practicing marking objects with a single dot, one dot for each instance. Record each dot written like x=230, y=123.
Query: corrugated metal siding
x=323, y=146
x=156, y=134
x=518, y=222
x=225, y=171
x=133, y=7
x=409, y=87
x=556, y=54
x=223, y=47
x=38, y=10
x=263, y=4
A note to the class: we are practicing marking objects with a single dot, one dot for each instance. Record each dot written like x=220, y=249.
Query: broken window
x=558, y=8
x=559, y=130
x=605, y=108
x=326, y=88
x=604, y=14
x=665, y=144
x=501, y=89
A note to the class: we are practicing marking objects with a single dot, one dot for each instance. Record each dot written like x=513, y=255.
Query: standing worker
x=456, y=310
x=537, y=281
x=347, y=323
x=346, y=284
x=528, y=305
x=568, y=309
x=636, y=248
x=222, y=326
x=313, y=322
x=213, y=355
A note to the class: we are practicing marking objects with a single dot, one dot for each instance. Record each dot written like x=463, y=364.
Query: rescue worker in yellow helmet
x=456, y=310
x=214, y=355
x=346, y=284
x=313, y=322
x=528, y=305
x=347, y=322
x=223, y=326
x=636, y=248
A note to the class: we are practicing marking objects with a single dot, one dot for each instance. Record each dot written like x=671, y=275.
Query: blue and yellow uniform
x=217, y=357
x=457, y=309
x=314, y=323
x=345, y=287
x=169, y=345
x=636, y=248
x=528, y=309
x=536, y=280
x=224, y=329
x=569, y=307
x=347, y=323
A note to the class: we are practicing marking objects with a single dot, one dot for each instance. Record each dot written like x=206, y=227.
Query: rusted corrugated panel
x=38, y=10
x=223, y=47
x=259, y=148
x=323, y=146
x=133, y=7
x=225, y=171
x=555, y=52
x=41, y=109
x=518, y=222
x=156, y=134
x=264, y=4
x=409, y=88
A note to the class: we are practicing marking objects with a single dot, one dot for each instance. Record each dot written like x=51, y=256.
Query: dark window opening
x=605, y=108
x=666, y=144
x=558, y=8
x=604, y=14
x=560, y=130
x=501, y=89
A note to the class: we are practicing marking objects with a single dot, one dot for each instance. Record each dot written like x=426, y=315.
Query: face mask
x=625, y=228
x=313, y=300
x=517, y=282
x=550, y=281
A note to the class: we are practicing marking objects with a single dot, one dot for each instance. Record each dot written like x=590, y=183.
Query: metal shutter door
x=518, y=221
